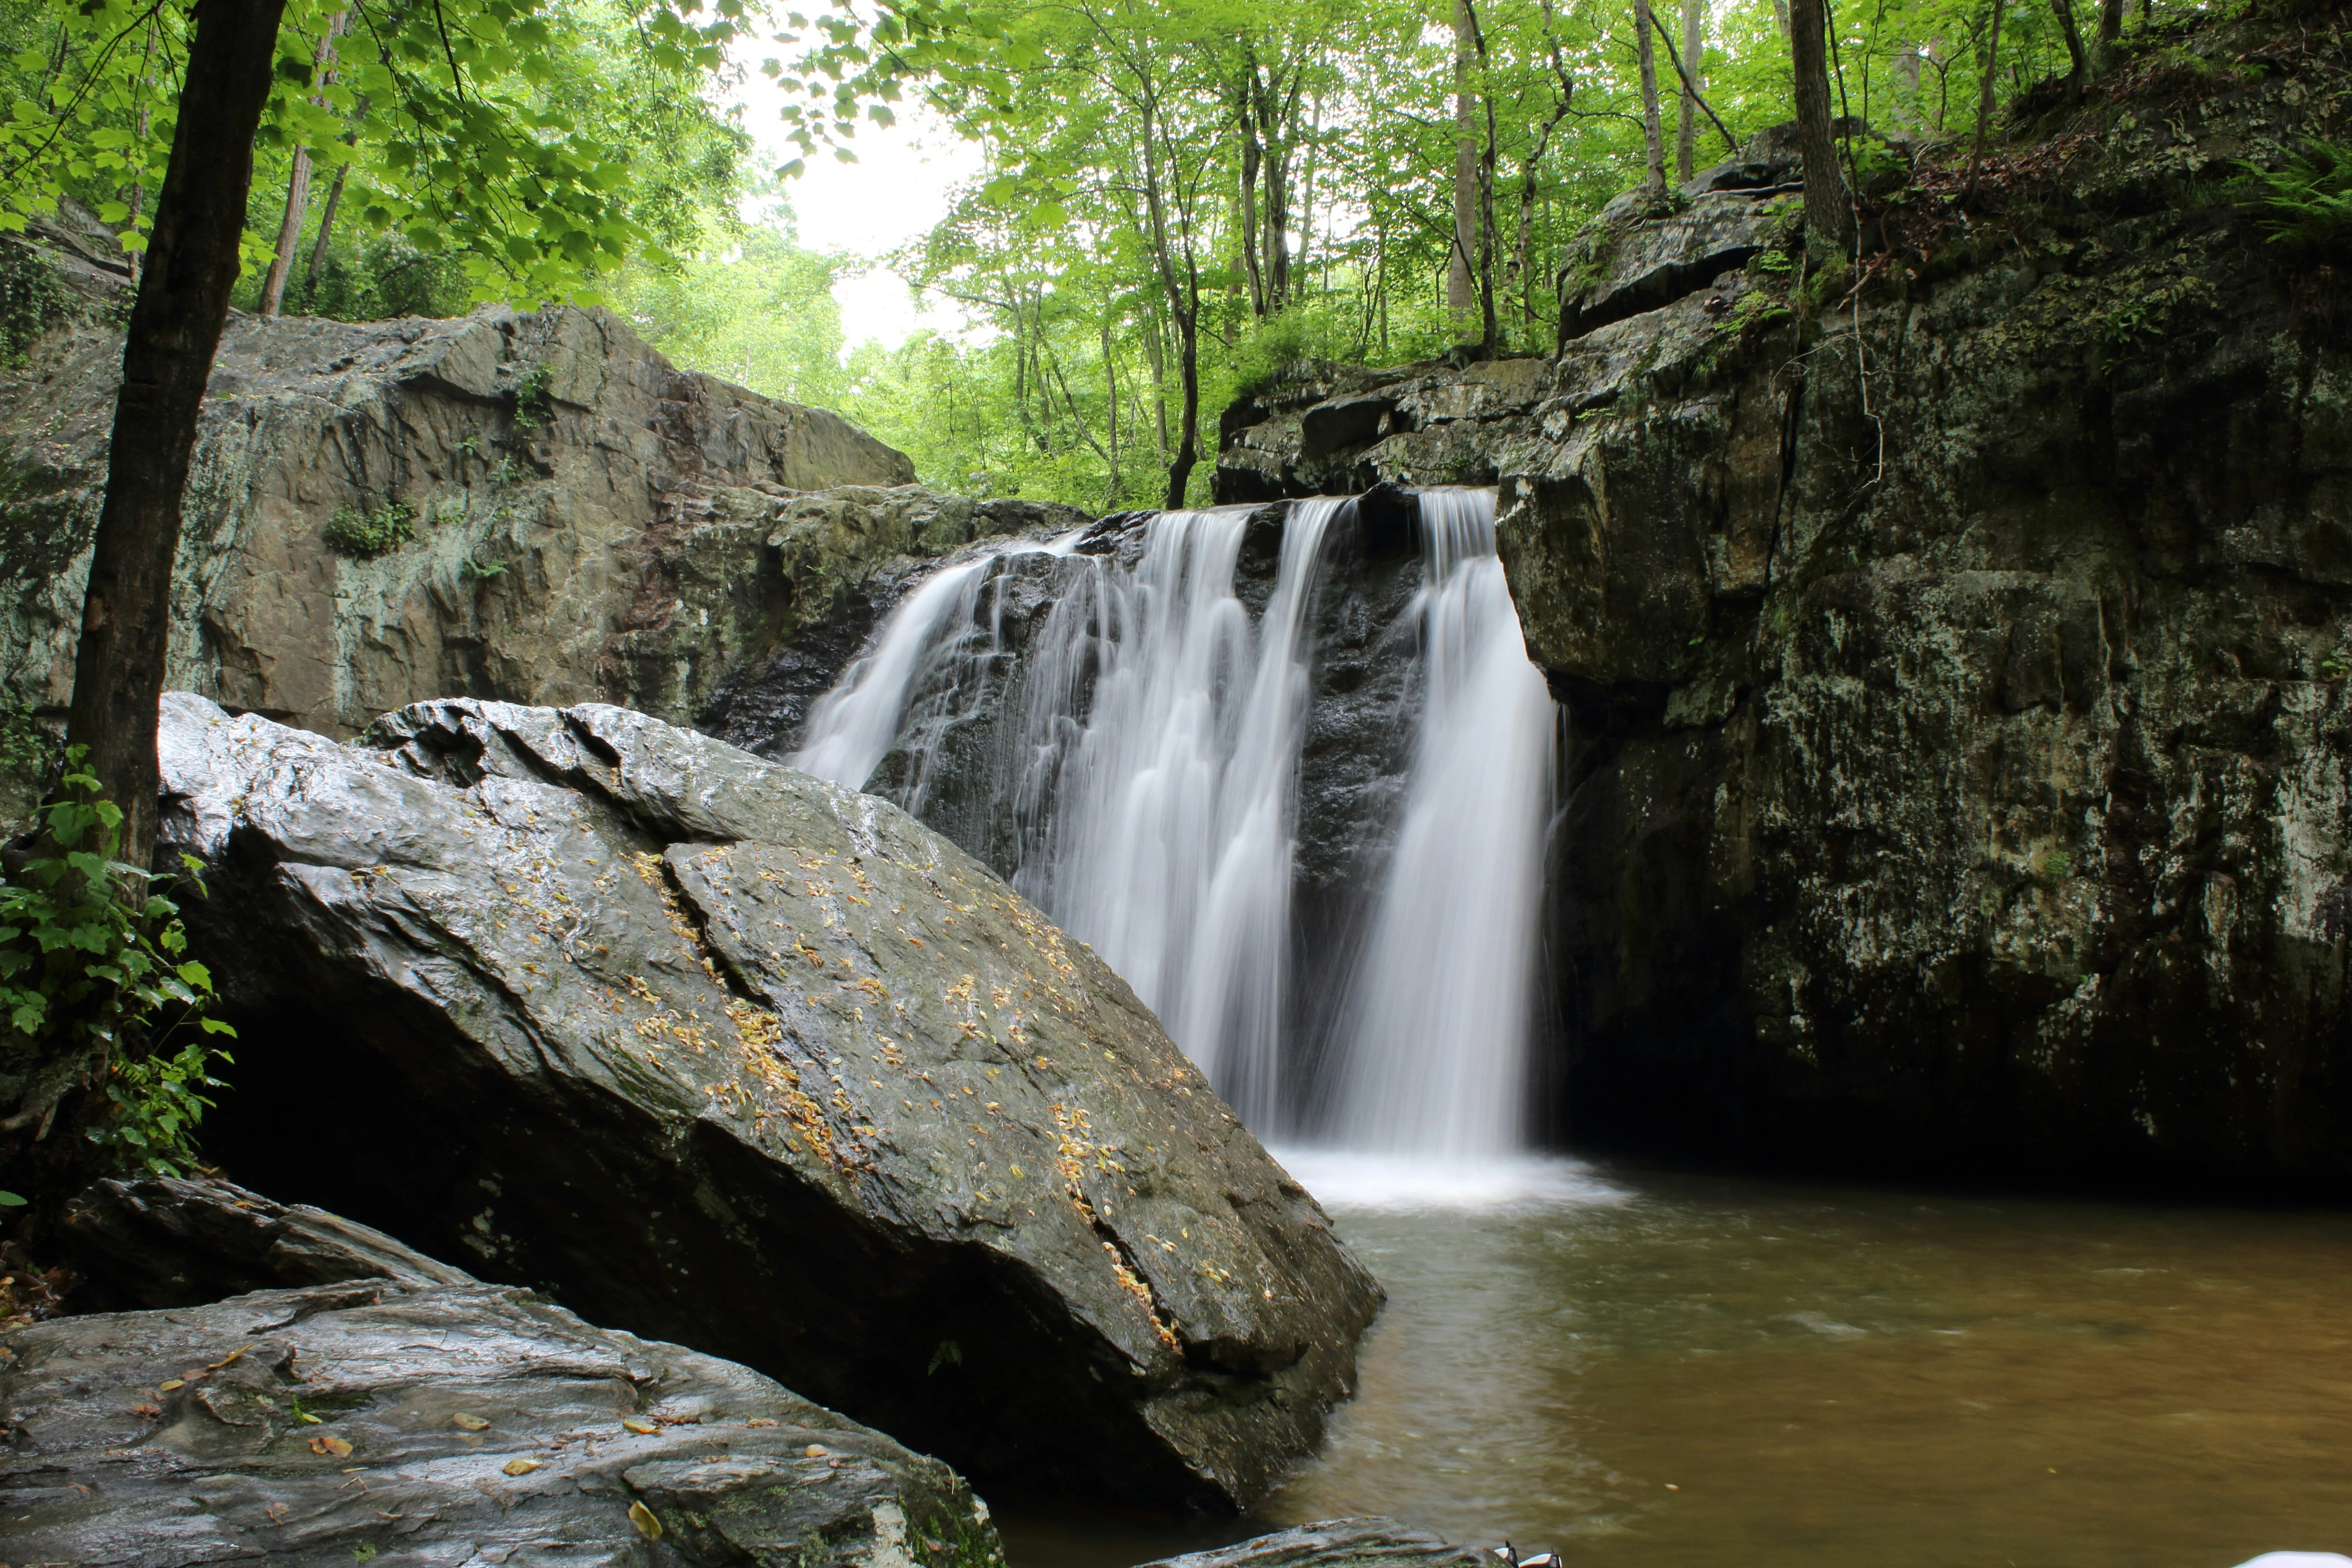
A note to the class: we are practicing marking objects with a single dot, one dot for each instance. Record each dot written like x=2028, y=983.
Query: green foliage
x=485, y=149
x=89, y=967
x=360, y=532
x=532, y=403
x=31, y=301
x=475, y=569
x=157, y=1102
x=2306, y=204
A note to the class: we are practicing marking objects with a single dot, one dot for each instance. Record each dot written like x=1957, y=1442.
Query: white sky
x=901, y=185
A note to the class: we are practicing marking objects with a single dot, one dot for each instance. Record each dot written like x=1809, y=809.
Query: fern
x=2307, y=204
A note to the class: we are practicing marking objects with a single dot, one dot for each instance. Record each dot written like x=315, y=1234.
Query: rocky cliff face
x=1962, y=780
x=532, y=508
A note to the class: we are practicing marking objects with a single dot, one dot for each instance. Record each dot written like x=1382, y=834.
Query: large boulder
x=440, y=1424
x=718, y=1052
x=561, y=516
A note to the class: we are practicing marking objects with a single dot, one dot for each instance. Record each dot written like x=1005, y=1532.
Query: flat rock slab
x=718, y=1052
x=1369, y=1542
x=464, y=1423
x=167, y=1242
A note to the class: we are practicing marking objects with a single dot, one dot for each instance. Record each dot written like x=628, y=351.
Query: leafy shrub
x=2307, y=204
x=353, y=531
x=86, y=973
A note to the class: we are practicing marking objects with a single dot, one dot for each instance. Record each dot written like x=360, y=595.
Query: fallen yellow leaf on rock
x=170, y=1383
x=813, y=1451
x=327, y=1443
x=468, y=1423
x=643, y=1517
x=522, y=1466
x=634, y=1424
x=759, y=1421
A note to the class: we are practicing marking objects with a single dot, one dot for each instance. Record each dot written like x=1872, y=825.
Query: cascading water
x=1176, y=802
x=1437, y=1022
x=1141, y=747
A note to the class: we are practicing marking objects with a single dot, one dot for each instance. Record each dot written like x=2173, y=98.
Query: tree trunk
x=1252, y=159
x=1188, y=429
x=175, y=331
x=1829, y=209
x=2111, y=33
x=1654, y=148
x=298, y=188
x=2075, y=53
x=1984, y=98
x=289, y=232
x=1110, y=377
x=1461, y=287
x=1686, y=117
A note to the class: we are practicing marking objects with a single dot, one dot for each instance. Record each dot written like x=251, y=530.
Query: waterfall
x=1173, y=855
x=852, y=726
x=1138, y=735
x=1437, y=1022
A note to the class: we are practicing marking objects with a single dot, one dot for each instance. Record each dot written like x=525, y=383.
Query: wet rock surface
x=173, y=1242
x=718, y=1052
x=1961, y=772
x=1365, y=1542
x=440, y=1424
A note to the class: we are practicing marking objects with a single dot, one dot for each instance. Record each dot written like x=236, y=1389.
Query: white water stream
x=1154, y=765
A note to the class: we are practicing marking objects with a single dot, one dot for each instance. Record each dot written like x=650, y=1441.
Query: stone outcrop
x=172, y=1242
x=1366, y=1542
x=1962, y=780
x=564, y=517
x=714, y=1051
x=442, y=1423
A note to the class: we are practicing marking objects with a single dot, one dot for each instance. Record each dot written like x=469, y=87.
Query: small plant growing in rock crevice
x=2305, y=205
x=533, y=402
x=475, y=569
x=359, y=533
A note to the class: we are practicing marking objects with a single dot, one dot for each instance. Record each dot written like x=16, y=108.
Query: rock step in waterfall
x=1136, y=759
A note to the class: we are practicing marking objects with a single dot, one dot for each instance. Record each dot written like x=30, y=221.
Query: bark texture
x=176, y=328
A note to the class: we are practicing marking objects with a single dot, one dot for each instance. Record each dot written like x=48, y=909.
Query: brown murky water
x=1646, y=1370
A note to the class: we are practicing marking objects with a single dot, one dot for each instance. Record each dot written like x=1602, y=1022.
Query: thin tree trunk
x=1253, y=161
x=2075, y=53
x=139, y=187
x=298, y=189
x=1654, y=151
x=1781, y=18
x=1829, y=210
x=1490, y=337
x=2111, y=33
x=1516, y=278
x=1110, y=375
x=1461, y=288
x=1693, y=73
x=1984, y=98
x=1188, y=429
x=289, y=232
x=175, y=331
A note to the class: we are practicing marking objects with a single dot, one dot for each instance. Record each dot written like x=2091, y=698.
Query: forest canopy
x=1178, y=195
x=1279, y=178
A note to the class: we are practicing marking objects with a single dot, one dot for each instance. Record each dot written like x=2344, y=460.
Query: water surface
x=1648, y=1369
